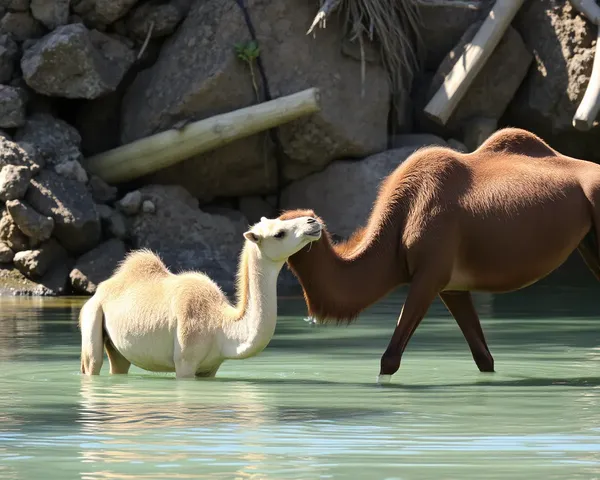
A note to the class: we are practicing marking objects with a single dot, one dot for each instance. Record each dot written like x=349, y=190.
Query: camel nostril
x=311, y=220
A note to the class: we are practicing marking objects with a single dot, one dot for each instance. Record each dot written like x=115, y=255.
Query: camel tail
x=91, y=324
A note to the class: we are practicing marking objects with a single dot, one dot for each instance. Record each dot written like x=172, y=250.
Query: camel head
x=278, y=239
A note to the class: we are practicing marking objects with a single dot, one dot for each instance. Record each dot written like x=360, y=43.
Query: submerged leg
x=460, y=305
x=118, y=363
x=420, y=295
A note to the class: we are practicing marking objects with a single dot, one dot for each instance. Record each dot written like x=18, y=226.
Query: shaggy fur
x=495, y=220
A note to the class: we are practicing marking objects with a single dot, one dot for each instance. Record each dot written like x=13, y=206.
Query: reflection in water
x=307, y=407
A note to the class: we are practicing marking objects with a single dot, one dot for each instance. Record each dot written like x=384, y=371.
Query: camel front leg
x=421, y=293
x=460, y=305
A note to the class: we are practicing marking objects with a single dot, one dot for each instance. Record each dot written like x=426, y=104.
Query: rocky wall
x=80, y=77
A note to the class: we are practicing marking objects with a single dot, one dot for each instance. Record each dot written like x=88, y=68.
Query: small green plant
x=248, y=52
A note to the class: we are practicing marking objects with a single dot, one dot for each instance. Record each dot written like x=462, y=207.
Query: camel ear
x=251, y=236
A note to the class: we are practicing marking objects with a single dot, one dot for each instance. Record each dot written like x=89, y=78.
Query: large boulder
x=21, y=25
x=343, y=193
x=9, y=54
x=36, y=226
x=198, y=75
x=101, y=12
x=36, y=263
x=12, y=106
x=74, y=62
x=96, y=266
x=14, y=181
x=68, y=202
x=186, y=238
x=162, y=17
x=54, y=282
x=492, y=90
x=563, y=42
x=51, y=14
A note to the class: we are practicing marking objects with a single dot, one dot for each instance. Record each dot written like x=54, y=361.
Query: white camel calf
x=147, y=316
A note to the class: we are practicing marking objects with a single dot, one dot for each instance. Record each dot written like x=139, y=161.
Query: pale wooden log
x=590, y=104
x=470, y=63
x=167, y=148
x=589, y=9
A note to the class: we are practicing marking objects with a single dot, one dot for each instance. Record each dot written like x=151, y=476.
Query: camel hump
x=141, y=264
x=518, y=142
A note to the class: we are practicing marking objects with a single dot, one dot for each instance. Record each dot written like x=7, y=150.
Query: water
x=308, y=407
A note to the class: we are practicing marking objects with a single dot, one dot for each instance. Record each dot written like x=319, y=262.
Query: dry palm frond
x=393, y=23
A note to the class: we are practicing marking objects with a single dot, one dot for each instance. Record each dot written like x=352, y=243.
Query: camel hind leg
x=588, y=249
x=92, y=332
x=118, y=363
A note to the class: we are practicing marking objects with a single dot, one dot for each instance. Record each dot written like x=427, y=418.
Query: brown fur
x=496, y=220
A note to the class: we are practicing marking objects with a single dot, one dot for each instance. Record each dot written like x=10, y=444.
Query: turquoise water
x=308, y=406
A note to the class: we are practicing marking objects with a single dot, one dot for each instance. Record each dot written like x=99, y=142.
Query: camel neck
x=255, y=317
x=342, y=280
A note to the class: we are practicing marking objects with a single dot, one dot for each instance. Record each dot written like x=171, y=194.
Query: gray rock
x=37, y=227
x=11, y=235
x=21, y=25
x=457, y=145
x=9, y=54
x=104, y=211
x=131, y=203
x=563, y=42
x=197, y=75
x=492, y=90
x=163, y=16
x=407, y=139
x=54, y=140
x=36, y=263
x=254, y=207
x=477, y=130
x=54, y=282
x=76, y=221
x=347, y=205
x=15, y=5
x=12, y=154
x=96, y=266
x=74, y=62
x=72, y=169
x=14, y=181
x=51, y=13
x=148, y=207
x=35, y=161
x=113, y=222
x=6, y=254
x=101, y=191
x=12, y=106
x=186, y=238
x=101, y=12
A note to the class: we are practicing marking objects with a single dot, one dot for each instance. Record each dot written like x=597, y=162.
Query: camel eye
x=280, y=234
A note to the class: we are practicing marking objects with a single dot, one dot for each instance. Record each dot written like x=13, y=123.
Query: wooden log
x=589, y=9
x=167, y=148
x=472, y=60
x=590, y=104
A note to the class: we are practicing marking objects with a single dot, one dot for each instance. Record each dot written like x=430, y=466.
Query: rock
x=9, y=54
x=477, y=130
x=101, y=12
x=52, y=14
x=72, y=169
x=563, y=42
x=164, y=16
x=186, y=238
x=492, y=90
x=76, y=220
x=457, y=145
x=54, y=140
x=407, y=139
x=130, y=204
x=11, y=235
x=34, y=160
x=12, y=107
x=21, y=25
x=54, y=282
x=74, y=62
x=442, y=27
x=113, y=222
x=12, y=153
x=254, y=207
x=96, y=266
x=346, y=206
x=14, y=181
x=148, y=207
x=15, y=5
x=6, y=254
x=101, y=191
x=197, y=75
x=35, y=263
x=31, y=223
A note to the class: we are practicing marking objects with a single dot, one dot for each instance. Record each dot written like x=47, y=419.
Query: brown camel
x=447, y=223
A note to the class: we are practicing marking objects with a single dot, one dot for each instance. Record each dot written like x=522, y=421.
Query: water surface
x=308, y=406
